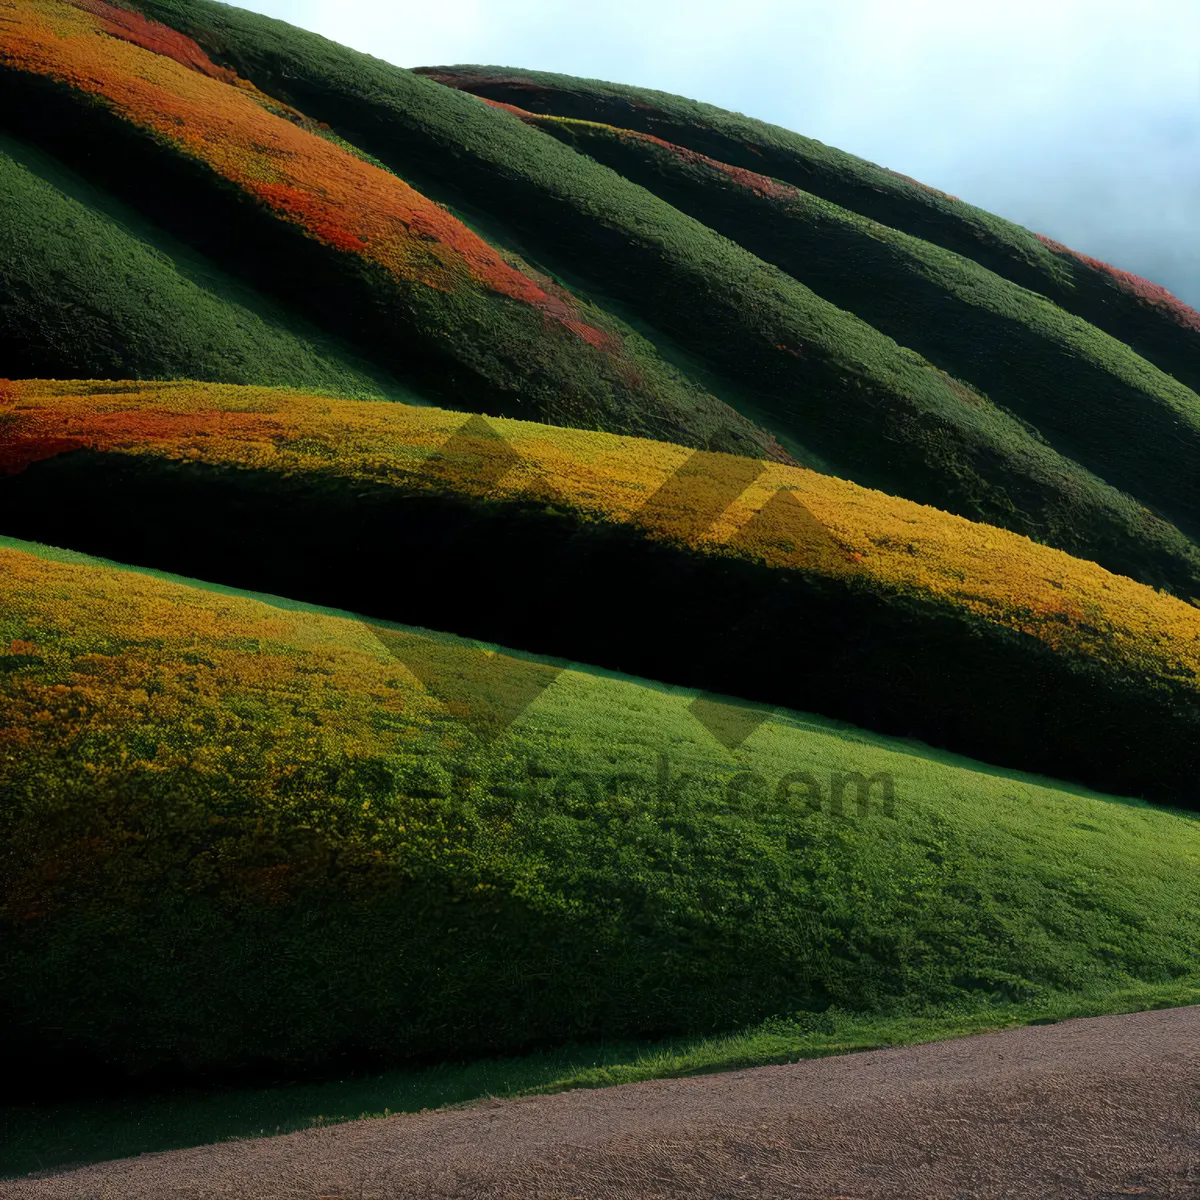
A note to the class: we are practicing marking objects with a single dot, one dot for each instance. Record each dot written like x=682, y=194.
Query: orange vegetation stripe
x=248, y=646
x=114, y=651
x=828, y=527
x=336, y=197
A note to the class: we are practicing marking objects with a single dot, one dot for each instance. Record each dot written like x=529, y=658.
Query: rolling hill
x=633, y=571
x=1089, y=393
x=1158, y=325
x=246, y=829
x=89, y=289
x=841, y=395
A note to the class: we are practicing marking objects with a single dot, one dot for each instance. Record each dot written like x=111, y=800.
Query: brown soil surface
x=1103, y=1107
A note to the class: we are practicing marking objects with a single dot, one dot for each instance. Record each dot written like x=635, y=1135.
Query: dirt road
x=1097, y=1108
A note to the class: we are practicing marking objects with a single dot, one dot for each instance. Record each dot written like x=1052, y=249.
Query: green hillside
x=1157, y=325
x=266, y=194
x=840, y=394
x=638, y=573
x=1093, y=398
x=706, y=570
x=521, y=852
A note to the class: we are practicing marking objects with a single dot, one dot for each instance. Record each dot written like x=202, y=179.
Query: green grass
x=1092, y=397
x=39, y=1138
x=822, y=378
x=284, y=851
x=90, y=290
x=1153, y=322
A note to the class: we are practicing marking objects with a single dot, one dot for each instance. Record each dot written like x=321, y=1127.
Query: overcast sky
x=1079, y=119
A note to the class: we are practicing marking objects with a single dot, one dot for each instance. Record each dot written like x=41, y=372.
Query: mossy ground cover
x=1092, y=397
x=1156, y=324
x=240, y=832
x=875, y=411
x=762, y=580
x=263, y=192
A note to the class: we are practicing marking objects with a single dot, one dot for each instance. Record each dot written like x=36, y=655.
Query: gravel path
x=1102, y=1107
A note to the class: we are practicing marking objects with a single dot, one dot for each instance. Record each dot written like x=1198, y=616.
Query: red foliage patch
x=162, y=82
x=16, y=453
x=923, y=186
x=591, y=335
x=124, y=428
x=1152, y=294
x=150, y=35
x=312, y=211
x=761, y=185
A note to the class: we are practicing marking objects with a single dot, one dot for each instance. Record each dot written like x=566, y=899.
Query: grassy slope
x=1156, y=324
x=262, y=191
x=629, y=554
x=234, y=826
x=489, y=862
x=872, y=410
x=1088, y=393
x=88, y=290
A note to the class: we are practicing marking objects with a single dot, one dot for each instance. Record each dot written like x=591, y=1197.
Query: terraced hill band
x=471, y=328
x=705, y=570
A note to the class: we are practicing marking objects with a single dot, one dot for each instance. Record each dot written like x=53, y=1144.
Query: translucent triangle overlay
x=785, y=525
x=475, y=452
x=480, y=456
x=691, y=500
x=489, y=690
x=485, y=689
x=731, y=722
